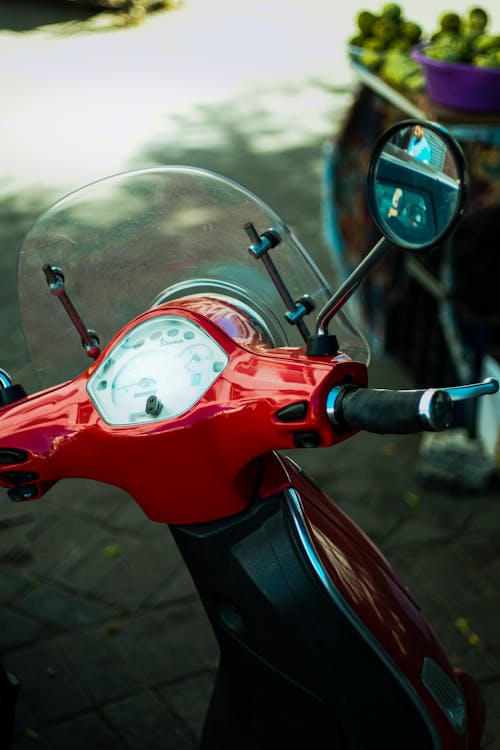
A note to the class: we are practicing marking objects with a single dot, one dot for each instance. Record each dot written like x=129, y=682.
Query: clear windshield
x=140, y=238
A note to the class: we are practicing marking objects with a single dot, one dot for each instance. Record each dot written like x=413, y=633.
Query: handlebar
x=383, y=411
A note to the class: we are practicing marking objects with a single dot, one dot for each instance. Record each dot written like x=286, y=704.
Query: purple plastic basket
x=460, y=85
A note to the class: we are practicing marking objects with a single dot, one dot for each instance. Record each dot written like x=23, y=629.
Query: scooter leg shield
x=293, y=671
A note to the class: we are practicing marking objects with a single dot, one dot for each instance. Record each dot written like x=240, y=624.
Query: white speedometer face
x=158, y=370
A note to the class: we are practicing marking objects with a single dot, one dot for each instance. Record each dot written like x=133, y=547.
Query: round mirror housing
x=416, y=184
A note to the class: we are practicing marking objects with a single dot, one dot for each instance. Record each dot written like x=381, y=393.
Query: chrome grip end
x=435, y=409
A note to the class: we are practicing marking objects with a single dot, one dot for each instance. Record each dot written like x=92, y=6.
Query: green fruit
x=358, y=40
x=449, y=48
x=400, y=70
x=478, y=18
x=482, y=61
x=476, y=41
x=391, y=11
x=385, y=30
x=450, y=22
x=411, y=31
x=492, y=60
x=374, y=44
x=472, y=34
x=370, y=59
x=447, y=38
x=365, y=21
x=415, y=82
x=487, y=43
x=399, y=45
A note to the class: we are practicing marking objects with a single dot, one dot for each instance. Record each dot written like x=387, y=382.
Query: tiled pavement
x=101, y=626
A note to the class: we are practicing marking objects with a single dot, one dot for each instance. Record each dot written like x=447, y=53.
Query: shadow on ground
x=254, y=145
x=26, y=15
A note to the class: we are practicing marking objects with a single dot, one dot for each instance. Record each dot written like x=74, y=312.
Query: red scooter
x=223, y=345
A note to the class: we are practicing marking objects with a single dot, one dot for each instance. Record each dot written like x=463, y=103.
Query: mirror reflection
x=417, y=186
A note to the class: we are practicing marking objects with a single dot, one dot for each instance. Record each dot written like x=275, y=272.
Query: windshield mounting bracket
x=55, y=280
x=261, y=244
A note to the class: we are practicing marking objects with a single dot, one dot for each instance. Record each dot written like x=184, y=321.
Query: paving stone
x=446, y=583
x=145, y=723
x=150, y=649
x=24, y=718
x=178, y=586
x=14, y=514
x=87, y=732
x=189, y=699
x=432, y=520
x=28, y=733
x=102, y=663
x=491, y=694
x=481, y=549
x=49, y=690
x=31, y=738
x=14, y=546
x=180, y=634
x=11, y=584
x=89, y=498
x=61, y=543
x=129, y=579
x=485, y=516
x=104, y=559
x=62, y=608
x=17, y=629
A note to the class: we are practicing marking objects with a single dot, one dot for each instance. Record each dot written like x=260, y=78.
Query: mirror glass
x=415, y=184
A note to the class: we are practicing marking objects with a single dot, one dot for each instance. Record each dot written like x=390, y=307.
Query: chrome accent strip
x=331, y=401
x=295, y=506
x=425, y=407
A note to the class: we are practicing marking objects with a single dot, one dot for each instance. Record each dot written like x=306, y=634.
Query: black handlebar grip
x=389, y=412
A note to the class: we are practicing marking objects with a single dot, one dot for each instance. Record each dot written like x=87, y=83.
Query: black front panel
x=294, y=671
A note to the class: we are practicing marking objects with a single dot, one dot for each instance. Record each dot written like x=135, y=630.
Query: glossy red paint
x=199, y=466
x=376, y=596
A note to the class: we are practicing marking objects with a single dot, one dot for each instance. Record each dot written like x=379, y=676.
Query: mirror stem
x=349, y=286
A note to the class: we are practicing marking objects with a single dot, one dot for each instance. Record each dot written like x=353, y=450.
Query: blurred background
x=255, y=91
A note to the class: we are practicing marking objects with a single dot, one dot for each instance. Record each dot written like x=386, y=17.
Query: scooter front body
x=321, y=645
x=319, y=641
x=260, y=399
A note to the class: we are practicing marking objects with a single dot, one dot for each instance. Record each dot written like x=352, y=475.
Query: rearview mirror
x=416, y=184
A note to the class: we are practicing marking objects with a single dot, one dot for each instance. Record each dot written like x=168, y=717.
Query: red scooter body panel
x=192, y=468
x=376, y=596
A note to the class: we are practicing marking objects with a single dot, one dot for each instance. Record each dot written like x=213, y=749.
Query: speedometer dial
x=158, y=370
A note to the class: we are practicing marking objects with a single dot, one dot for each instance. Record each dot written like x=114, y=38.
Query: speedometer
x=158, y=370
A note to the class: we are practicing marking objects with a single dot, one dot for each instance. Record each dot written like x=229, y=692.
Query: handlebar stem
x=349, y=286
